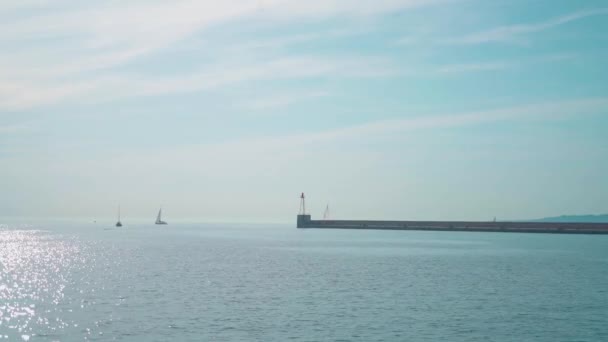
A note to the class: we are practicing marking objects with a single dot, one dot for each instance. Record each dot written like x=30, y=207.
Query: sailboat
x=158, y=219
x=118, y=224
x=326, y=213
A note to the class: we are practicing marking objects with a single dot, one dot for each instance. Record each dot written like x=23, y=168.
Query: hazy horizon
x=400, y=109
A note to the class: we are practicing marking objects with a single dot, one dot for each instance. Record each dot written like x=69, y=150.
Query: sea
x=87, y=281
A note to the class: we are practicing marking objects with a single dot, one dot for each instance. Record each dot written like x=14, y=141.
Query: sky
x=385, y=109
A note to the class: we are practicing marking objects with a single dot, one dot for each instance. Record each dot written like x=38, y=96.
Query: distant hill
x=603, y=218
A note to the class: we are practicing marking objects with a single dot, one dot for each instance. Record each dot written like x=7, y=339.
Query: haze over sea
x=228, y=110
x=75, y=281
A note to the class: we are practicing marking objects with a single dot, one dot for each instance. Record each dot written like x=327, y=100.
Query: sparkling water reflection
x=43, y=284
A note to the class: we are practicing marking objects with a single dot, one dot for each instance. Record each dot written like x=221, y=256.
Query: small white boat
x=118, y=224
x=158, y=219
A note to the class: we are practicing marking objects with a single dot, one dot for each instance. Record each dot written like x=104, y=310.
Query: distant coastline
x=602, y=218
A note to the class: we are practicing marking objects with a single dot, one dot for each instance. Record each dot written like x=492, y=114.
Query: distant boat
x=158, y=219
x=118, y=224
x=326, y=213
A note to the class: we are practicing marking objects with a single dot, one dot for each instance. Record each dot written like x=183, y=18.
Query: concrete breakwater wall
x=305, y=221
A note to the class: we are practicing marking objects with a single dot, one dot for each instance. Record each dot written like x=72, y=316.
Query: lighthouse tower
x=303, y=218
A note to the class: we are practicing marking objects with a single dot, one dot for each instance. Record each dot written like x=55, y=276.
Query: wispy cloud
x=513, y=33
x=81, y=51
x=110, y=35
x=24, y=95
x=473, y=67
x=113, y=33
x=283, y=100
x=264, y=44
x=464, y=68
x=542, y=111
x=324, y=8
x=556, y=110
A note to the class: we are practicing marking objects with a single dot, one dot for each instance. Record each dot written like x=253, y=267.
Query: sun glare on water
x=36, y=268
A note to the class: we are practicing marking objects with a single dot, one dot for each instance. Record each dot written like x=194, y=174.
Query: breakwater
x=305, y=221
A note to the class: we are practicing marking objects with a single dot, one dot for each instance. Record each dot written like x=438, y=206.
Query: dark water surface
x=212, y=282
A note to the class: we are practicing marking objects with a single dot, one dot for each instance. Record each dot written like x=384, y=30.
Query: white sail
x=158, y=217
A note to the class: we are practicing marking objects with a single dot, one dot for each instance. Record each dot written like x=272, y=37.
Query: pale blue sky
x=400, y=109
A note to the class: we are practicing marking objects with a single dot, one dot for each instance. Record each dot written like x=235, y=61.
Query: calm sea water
x=211, y=282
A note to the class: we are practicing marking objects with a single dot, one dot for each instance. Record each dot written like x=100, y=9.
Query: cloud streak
x=284, y=100
x=465, y=68
x=512, y=33
x=80, y=52
x=108, y=35
x=26, y=95
x=557, y=110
